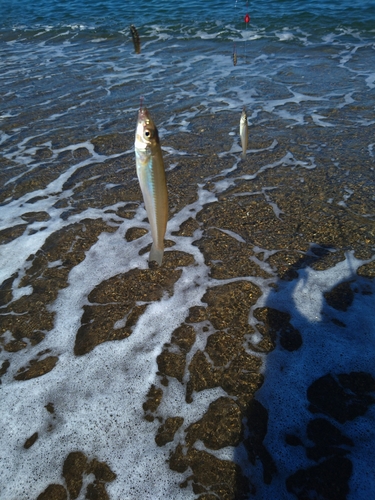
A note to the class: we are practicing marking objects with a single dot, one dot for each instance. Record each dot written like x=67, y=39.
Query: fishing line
x=234, y=55
x=247, y=20
x=244, y=130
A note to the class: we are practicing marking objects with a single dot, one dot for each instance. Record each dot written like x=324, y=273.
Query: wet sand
x=324, y=200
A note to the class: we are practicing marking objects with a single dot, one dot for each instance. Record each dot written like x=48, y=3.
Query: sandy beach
x=257, y=231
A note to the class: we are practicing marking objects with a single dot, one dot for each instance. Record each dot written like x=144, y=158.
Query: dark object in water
x=234, y=56
x=136, y=40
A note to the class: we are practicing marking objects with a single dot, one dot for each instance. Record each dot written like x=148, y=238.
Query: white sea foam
x=288, y=376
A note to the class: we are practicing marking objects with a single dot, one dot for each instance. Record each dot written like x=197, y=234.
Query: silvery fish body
x=151, y=176
x=234, y=56
x=244, y=133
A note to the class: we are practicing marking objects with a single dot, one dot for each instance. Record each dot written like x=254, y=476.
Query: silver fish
x=151, y=176
x=244, y=132
x=234, y=56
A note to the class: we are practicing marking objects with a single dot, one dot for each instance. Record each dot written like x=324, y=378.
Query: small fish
x=234, y=56
x=136, y=40
x=244, y=132
x=151, y=176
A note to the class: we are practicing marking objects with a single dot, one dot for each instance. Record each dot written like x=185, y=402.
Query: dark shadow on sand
x=331, y=400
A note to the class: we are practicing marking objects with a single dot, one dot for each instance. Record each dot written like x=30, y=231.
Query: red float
x=247, y=18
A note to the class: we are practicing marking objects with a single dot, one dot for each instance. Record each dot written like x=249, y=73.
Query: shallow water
x=208, y=372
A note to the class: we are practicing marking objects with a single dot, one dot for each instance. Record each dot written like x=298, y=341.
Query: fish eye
x=148, y=133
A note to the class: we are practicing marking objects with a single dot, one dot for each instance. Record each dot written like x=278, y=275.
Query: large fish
x=244, y=133
x=151, y=176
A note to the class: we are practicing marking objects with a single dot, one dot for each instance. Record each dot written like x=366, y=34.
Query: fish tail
x=243, y=156
x=156, y=254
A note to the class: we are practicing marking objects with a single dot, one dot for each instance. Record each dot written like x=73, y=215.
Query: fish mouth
x=143, y=114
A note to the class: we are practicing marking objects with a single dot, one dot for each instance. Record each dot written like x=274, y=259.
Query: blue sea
x=291, y=229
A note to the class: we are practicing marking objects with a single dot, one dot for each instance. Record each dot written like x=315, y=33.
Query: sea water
x=69, y=74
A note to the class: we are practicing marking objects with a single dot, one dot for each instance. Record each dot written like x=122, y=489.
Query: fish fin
x=156, y=254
